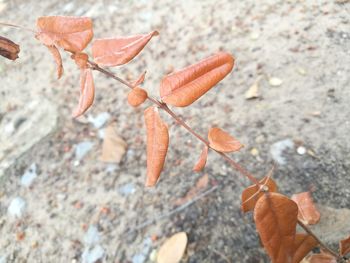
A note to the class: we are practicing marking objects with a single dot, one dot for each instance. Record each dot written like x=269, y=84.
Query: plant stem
x=16, y=26
x=181, y=122
x=324, y=246
x=238, y=167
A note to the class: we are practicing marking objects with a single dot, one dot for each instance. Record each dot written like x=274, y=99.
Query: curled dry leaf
x=308, y=212
x=199, y=166
x=87, y=92
x=251, y=194
x=137, y=96
x=344, y=246
x=157, y=144
x=173, y=249
x=185, y=86
x=58, y=60
x=81, y=59
x=118, y=51
x=320, y=258
x=303, y=244
x=275, y=217
x=221, y=141
x=139, y=80
x=114, y=147
x=70, y=33
x=8, y=48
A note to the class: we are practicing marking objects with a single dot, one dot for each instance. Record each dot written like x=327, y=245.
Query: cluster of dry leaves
x=276, y=216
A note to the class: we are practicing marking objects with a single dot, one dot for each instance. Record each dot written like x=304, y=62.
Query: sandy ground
x=85, y=210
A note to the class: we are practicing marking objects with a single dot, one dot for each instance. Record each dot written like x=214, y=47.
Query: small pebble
x=254, y=152
x=17, y=207
x=81, y=149
x=127, y=189
x=278, y=148
x=301, y=150
x=93, y=255
x=29, y=176
x=99, y=120
x=92, y=236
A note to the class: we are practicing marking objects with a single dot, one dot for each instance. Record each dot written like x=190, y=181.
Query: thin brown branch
x=181, y=122
x=238, y=167
x=324, y=246
x=174, y=211
x=16, y=26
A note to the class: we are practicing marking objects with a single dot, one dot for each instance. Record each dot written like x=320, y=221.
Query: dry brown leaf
x=185, y=86
x=87, y=92
x=221, y=141
x=70, y=33
x=118, y=51
x=80, y=59
x=58, y=60
x=157, y=144
x=303, y=244
x=199, y=166
x=253, y=91
x=137, y=96
x=201, y=184
x=308, y=212
x=251, y=194
x=173, y=249
x=320, y=258
x=344, y=246
x=275, y=217
x=139, y=80
x=8, y=48
x=114, y=147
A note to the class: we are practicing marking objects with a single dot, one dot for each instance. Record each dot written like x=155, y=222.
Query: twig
x=165, y=107
x=239, y=168
x=222, y=255
x=324, y=246
x=174, y=211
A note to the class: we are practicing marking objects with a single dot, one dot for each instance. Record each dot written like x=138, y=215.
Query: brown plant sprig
x=276, y=216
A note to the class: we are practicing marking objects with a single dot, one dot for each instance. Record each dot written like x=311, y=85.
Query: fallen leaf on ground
x=157, y=144
x=201, y=184
x=137, y=96
x=320, y=258
x=253, y=91
x=251, y=194
x=87, y=92
x=271, y=210
x=8, y=48
x=118, y=51
x=68, y=32
x=173, y=249
x=199, y=166
x=275, y=82
x=303, y=244
x=114, y=147
x=221, y=141
x=185, y=86
x=344, y=246
x=308, y=212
